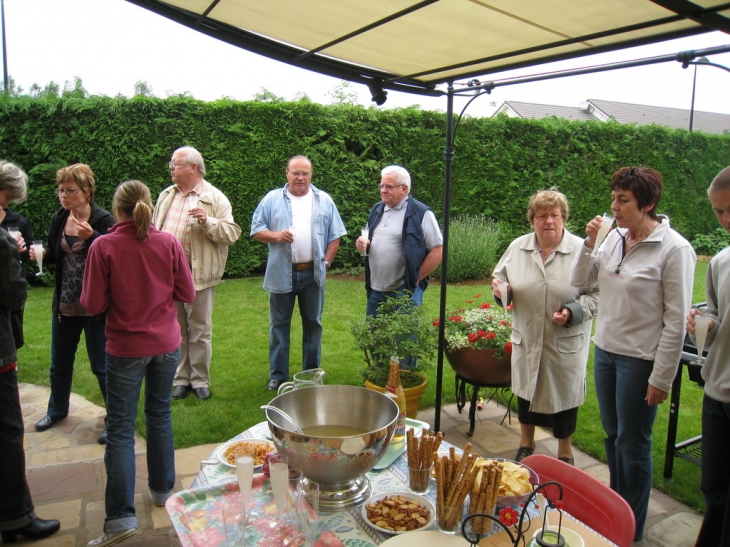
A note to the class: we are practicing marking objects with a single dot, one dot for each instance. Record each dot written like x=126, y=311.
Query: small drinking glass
x=308, y=510
x=38, y=249
x=503, y=290
x=702, y=323
x=193, y=204
x=606, y=224
x=365, y=234
x=419, y=480
x=244, y=475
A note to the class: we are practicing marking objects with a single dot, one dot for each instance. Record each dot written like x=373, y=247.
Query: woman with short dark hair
x=645, y=272
x=73, y=229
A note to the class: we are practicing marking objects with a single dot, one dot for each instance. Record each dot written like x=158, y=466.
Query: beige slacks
x=196, y=349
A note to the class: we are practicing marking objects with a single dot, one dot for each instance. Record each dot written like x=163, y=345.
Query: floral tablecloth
x=207, y=514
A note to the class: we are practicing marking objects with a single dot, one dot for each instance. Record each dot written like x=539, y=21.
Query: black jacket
x=13, y=291
x=14, y=219
x=100, y=221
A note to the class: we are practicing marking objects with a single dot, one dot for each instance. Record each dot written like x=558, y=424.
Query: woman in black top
x=73, y=228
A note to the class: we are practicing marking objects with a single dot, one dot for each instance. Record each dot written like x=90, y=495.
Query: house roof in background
x=539, y=111
x=412, y=45
x=626, y=113
x=676, y=118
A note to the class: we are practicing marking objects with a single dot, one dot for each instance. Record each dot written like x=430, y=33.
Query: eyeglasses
x=543, y=218
x=62, y=191
x=297, y=174
x=390, y=187
x=176, y=164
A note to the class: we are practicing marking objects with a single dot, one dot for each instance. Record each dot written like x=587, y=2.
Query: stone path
x=65, y=470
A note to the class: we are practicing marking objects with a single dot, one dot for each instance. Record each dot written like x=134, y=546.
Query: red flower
x=436, y=323
x=491, y=336
x=508, y=347
x=486, y=306
x=508, y=516
x=511, y=307
x=503, y=323
x=456, y=318
x=478, y=295
x=472, y=337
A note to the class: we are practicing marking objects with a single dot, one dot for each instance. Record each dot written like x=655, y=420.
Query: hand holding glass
x=38, y=249
x=702, y=323
x=193, y=204
x=365, y=234
x=503, y=288
x=606, y=224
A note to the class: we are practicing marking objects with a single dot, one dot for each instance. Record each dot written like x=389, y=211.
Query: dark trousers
x=715, y=482
x=65, y=336
x=16, y=506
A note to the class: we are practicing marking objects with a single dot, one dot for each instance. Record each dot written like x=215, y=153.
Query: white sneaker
x=112, y=538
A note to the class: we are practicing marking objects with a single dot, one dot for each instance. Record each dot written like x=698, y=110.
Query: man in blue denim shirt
x=302, y=228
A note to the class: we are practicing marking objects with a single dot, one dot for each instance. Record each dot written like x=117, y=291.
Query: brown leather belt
x=302, y=266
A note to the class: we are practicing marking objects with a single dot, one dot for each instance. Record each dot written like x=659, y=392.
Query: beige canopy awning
x=412, y=45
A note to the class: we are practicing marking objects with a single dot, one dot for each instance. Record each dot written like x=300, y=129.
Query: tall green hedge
x=498, y=164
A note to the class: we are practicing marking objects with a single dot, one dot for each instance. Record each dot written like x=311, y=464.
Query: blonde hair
x=14, y=180
x=81, y=174
x=548, y=199
x=133, y=199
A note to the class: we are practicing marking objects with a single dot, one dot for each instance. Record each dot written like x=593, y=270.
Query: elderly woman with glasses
x=73, y=228
x=645, y=271
x=551, y=323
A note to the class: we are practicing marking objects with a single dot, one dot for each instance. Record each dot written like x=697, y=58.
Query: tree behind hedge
x=499, y=162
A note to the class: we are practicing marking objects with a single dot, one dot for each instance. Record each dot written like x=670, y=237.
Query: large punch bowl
x=346, y=430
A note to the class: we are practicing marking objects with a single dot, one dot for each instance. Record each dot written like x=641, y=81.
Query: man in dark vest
x=404, y=243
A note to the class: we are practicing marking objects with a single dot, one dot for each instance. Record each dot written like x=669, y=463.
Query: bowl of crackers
x=231, y=450
x=398, y=512
x=517, y=481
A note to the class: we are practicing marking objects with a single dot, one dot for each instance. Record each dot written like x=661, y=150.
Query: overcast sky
x=111, y=44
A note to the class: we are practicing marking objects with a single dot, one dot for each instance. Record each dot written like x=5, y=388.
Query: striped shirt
x=177, y=219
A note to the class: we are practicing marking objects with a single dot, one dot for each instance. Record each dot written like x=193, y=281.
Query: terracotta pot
x=413, y=394
x=480, y=366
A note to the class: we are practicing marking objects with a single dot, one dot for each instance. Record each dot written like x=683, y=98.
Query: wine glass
x=293, y=252
x=501, y=284
x=606, y=224
x=702, y=322
x=193, y=204
x=279, y=484
x=244, y=475
x=365, y=234
x=38, y=249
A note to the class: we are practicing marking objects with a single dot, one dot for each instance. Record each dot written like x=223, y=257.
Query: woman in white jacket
x=645, y=271
x=551, y=325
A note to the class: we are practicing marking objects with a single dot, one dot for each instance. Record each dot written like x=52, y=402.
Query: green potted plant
x=478, y=345
x=399, y=329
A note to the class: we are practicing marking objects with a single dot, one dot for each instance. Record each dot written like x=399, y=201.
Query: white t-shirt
x=301, y=209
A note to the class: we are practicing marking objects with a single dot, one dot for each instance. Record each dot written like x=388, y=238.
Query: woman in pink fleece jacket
x=135, y=273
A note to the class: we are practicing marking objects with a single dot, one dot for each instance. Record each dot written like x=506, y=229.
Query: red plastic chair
x=587, y=499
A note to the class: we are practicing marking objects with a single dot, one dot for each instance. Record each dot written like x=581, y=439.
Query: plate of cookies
x=229, y=451
x=398, y=512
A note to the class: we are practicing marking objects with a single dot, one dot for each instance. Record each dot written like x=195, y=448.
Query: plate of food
x=398, y=512
x=228, y=452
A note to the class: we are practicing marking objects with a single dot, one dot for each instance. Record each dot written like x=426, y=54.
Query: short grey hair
x=193, y=156
x=401, y=175
x=721, y=181
x=14, y=180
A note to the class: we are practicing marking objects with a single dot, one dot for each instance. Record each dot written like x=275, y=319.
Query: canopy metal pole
x=448, y=159
x=5, y=49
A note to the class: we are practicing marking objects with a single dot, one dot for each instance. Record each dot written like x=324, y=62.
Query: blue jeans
x=281, y=307
x=715, y=482
x=65, y=336
x=375, y=298
x=621, y=385
x=124, y=377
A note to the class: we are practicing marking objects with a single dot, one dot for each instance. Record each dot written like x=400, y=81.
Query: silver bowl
x=346, y=430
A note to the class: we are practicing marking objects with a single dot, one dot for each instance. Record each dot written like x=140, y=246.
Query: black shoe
x=570, y=461
x=523, y=452
x=35, y=529
x=202, y=393
x=273, y=385
x=180, y=392
x=44, y=423
x=102, y=438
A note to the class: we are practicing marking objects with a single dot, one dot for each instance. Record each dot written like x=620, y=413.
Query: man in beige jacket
x=199, y=215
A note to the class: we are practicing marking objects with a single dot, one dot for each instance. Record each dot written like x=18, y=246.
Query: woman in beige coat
x=551, y=324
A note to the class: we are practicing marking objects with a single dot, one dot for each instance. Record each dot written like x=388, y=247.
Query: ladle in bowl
x=285, y=416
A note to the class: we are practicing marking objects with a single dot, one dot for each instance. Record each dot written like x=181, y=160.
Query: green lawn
x=239, y=370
